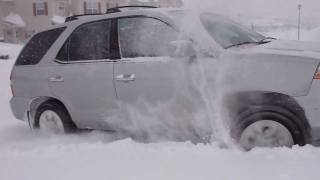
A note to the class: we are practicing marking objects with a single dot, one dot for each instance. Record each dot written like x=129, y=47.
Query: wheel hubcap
x=266, y=133
x=50, y=122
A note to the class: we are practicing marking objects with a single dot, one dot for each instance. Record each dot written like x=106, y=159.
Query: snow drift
x=26, y=154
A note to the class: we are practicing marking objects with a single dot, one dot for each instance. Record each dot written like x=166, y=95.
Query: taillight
x=317, y=75
x=11, y=86
x=12, y=91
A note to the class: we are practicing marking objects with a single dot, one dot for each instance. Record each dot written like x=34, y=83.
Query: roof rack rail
x=118, y=8
x=110, y=10
x=75, y=17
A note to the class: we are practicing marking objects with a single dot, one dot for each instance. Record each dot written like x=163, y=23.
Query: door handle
x=126, y=77
x=56, y=79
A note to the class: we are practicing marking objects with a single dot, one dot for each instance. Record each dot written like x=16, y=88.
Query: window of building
x=88, y=42
x=61, y=8
x=61, y=5
x=92, y=7
x=145, y=37
x=40, y=8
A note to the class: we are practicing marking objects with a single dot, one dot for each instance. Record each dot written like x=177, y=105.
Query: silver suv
x=79, y=74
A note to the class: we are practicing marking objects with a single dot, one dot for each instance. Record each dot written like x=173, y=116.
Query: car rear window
x=38, y=46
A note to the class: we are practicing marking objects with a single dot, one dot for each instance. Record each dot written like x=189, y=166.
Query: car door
x=82, y=77
x=157, y=95
x=145, y=71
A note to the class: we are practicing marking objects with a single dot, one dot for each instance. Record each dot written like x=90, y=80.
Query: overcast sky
x=270, y=8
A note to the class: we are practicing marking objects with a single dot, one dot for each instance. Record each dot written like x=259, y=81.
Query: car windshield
x=224, y=31
x=227, y=33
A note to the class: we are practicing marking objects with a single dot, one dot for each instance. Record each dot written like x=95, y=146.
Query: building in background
x=19, y=19
x=6, y=8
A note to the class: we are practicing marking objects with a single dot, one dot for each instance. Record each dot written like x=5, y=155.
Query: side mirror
x=182, y=49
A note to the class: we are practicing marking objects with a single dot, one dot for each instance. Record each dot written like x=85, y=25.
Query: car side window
x=38, y=46
x=144, y=37
x=88, y=42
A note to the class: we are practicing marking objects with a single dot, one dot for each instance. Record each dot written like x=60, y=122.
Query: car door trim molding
x=86, y=61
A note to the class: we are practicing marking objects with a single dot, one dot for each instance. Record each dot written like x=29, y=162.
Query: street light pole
x=299, y=20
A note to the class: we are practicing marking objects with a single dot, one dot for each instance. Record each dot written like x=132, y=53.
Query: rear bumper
x=19, y=107
x=311, y=106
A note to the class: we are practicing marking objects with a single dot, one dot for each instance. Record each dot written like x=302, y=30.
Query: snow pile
x=145, y=1
x=58, y=19
x=15, y=20
x=11, y=49
x=313, y=35
x=26, y=154
x=281, y=28
x=5, y=92
x=128, y=160
x=292, y=34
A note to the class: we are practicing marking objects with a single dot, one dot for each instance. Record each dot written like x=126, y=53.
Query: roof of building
x=14, y=20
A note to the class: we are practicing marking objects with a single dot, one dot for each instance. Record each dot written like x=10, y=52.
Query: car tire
x=53, y=118
x=267, y=126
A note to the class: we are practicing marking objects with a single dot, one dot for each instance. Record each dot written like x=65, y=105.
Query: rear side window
x=38, y=46
x=88, y=42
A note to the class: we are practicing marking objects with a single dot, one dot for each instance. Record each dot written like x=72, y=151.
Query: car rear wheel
x=53, y=118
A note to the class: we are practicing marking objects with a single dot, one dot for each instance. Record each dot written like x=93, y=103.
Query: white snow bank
x=6, y=117
x=58, y=19
x=11, y=49
x=292, y=34
x=313, y=35
x=146, y=1
x=128, y=160
x=15, y=20
x=30, y=155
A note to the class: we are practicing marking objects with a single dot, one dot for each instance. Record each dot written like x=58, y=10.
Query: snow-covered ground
x=29, y=155
x=292, y=34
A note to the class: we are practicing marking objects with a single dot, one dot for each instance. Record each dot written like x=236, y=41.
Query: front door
x=152, y=87
x=145, y=70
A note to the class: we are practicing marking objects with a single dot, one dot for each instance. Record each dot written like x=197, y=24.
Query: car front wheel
x=267, y=126
x=266, y=133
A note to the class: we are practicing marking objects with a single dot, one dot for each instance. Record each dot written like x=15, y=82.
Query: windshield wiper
x=262, y=41
x=242, y=43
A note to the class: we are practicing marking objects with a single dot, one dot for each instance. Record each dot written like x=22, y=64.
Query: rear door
x=28, y=68
x=82, y=76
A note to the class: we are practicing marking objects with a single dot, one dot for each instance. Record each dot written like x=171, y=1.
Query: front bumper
x=19, y=107
x=311, y=106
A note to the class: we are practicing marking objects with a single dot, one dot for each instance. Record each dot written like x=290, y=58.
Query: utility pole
x=299, y=20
